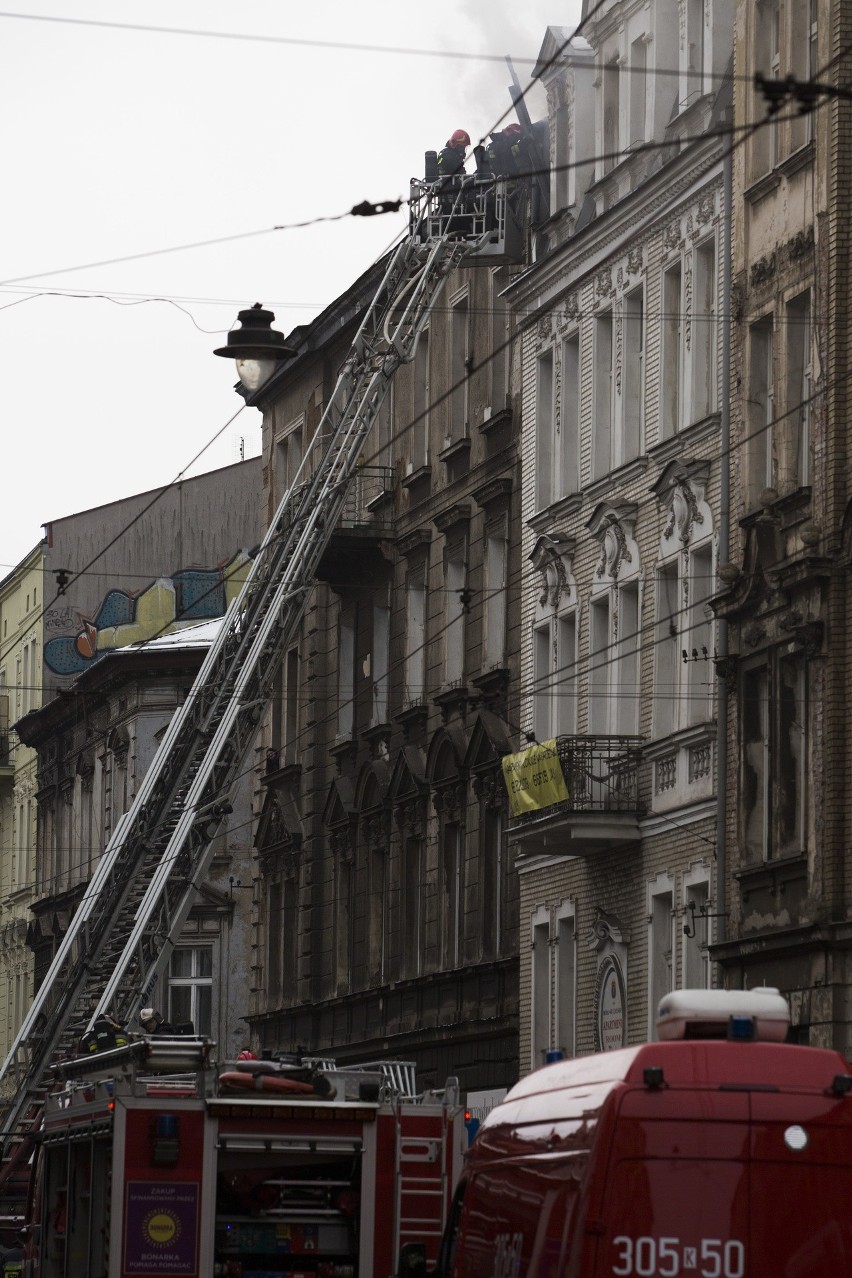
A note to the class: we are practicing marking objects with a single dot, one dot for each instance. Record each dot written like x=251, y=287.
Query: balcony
x=367, y=519
x=603, y=808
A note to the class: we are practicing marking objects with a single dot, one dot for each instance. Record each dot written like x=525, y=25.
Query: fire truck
x=152, y=1162
x=720, y=1151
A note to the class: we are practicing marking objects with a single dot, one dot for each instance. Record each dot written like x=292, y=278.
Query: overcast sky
x=119, y=142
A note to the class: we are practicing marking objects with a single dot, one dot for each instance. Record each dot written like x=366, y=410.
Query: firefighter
x=503, y=153
x=507, y=157
x=150, y=1020
x=451, y=174
x=451, y=158
x=13, y=1262
x=106, y=1033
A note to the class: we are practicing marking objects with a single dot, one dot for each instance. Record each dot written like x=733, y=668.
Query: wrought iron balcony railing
x=601, y=775
x=364, y=506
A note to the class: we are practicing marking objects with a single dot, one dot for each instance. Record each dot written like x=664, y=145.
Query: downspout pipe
x=724, y=550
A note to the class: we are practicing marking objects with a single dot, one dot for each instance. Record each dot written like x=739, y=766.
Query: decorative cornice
x=449, y=518
x=492, y=492
x=413, y=542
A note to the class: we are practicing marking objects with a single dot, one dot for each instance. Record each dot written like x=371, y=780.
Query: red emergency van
x=697, y=1156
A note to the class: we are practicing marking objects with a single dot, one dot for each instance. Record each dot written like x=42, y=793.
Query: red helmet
x=460, y=138
x=514, y=129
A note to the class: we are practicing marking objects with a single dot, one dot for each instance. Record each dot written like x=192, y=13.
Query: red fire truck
x=152, y=1163
x=693, y=1157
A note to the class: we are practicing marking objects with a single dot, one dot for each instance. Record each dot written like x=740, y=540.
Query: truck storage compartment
x=288, y=1211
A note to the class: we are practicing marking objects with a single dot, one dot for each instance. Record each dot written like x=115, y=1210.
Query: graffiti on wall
x=125, y=617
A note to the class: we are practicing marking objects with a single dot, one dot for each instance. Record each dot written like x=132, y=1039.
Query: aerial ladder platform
x=121, y=937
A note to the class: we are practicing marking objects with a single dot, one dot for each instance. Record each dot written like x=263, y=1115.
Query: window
x=638, y=90
x=412, y=913
x=667, y=651
x=285, y=710
x=699, y=639
x=499, y=366
x=773, y=761
x=696, y=934
x=542, y=683
x=602, y=438
x=813, y=57
x=569, y=452
x=380, y=662
x=452, y=846
x=383, y=448
x=494, y=622
x=767, y=62
x=25, y=678
x=794, y=464
x=455, y=575
x=545, y=420
x=566, y=979
x=561, y=183
x=761, y=410
x=683, y=678
x=694, y=50
x=555, y=677
x=459, y=339
x=415, y=637
x=634, y=375
x=755, y=762
x=599, y=659
x=191, y=988
x=541, y=994
x=624, y=707
x=660, y=946
x=554, y=981
x=490, y=880
x=614, y=651
x=671, y=373
x=344, y=921
x=565, y=683
x=375, y=914
x=345, y=673
x=611, y=110
x=557, y=425
x=291, y=706
x=704, y=329
x=803, y=61
x=419, y=445
x=288, y=455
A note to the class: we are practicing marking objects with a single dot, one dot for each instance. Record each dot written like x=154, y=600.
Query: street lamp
x=256, y=347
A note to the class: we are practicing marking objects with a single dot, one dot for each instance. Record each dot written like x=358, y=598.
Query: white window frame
x=660, y=931
x=194, y=983
x=695, y=950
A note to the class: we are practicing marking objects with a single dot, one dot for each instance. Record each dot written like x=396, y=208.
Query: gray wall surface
x=137, y=566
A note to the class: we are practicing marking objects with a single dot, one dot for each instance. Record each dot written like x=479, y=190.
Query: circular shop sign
x=610, y=1020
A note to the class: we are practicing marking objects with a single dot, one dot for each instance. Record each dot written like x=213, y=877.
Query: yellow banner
x=534, y=778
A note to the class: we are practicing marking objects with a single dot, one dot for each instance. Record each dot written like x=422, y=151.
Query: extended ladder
x=123, y=932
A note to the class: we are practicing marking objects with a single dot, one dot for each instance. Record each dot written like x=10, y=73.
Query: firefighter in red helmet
x=504, y=151
x=451, y=176
x=451, y=158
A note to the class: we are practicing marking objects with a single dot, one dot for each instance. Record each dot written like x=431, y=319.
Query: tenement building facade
x=623, y=410
x=388, y=916
x=785, y=596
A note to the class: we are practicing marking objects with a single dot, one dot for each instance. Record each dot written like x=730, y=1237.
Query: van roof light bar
x=758, y=1015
